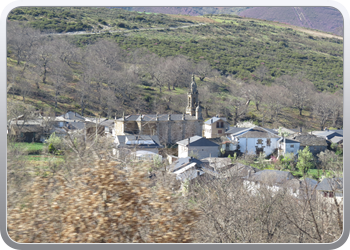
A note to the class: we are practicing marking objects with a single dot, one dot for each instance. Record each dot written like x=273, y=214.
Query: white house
x=288, y=146
x=256, y=140
x=197, y=147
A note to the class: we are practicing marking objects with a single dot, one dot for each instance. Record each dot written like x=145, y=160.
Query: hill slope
x=327, y=19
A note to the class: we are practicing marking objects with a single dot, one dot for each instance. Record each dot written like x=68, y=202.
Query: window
x=292, y=146
x=260, y=141
x=220, y=131
x=330, y=194
x=324, y=194
x=222, y=124
x=268, y=142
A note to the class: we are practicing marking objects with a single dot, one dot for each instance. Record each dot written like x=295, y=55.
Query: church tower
x=192, y=98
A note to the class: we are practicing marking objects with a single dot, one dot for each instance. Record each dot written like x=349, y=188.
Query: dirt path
x=122, y=31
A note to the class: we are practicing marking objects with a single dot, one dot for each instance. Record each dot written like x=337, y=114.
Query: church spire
x=192, y=97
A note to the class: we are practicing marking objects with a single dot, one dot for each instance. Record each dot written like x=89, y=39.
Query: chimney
x=217, y=116
x=211, y=120
x=188, y=141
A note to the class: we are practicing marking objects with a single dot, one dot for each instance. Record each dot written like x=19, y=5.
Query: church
x=170, y=128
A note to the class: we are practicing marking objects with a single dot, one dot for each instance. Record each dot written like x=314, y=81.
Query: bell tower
x=192, y=99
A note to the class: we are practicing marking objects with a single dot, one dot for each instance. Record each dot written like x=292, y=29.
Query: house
x=70, y=115
x=316, y=144
x=186, y=168
x=286, y=131
x=125, y=144
x=288, y=146
x=255, y=140
x=170, y=128
x=215, y=127
x=227, y=147
x=332, y=136
x=330, y=188
x=197, y=147
x=143, y=155
x=307, y=189
x=26, y=131
x=273, y=180
x=109, y=127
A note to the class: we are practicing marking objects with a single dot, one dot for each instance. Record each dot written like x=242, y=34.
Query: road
x=121, y=31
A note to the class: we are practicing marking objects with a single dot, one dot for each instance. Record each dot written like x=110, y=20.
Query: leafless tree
x=321, y=108
x=261, y=72
x=21, y=39
x=275, y=99
x=177, y=71
x=203, y=69
x=336, y=108
x=59, y=72
x=254, y=92
x=300, y=91
x=65, y=51
x=237, y=101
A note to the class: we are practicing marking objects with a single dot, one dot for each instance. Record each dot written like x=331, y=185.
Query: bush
x=101, y=205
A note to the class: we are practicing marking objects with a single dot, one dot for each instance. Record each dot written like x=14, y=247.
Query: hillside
x=192, y=11
x=326, y=19
x=145, y=66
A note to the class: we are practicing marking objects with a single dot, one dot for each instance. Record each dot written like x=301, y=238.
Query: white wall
x=250, y=148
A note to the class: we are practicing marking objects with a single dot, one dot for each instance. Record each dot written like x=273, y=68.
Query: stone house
x=330, y=188
x=186, y=168
x=170, y=128
x=273, y=180
x=215, y=127
x=197, y=147
x=125, y=144
x=315, y=144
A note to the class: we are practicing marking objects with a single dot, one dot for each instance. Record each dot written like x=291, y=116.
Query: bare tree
x=261, y=72
x=59, y=73
x=322, y=108
x=275, y=99
x=254, y=92
x=336, y=108
x=203, y=69
x=300, y=91
x=21, y=39
x=238, y=102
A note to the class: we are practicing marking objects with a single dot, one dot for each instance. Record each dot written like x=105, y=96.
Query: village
x=199, y=149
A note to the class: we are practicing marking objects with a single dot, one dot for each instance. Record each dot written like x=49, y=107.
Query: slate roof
x=217, y=162
x=309, y=140
x=256, y=132
x=336, y=139
x=161, y=117
x=222, y=140
x=271, y=176
x=288, y=140
x=197, y=141
x=183, y=162
x=76, y=125
x=73, y=116
x=107, y=123
x=214, y=119
x=330, y=184
x=235, y=130
x=328, y=132
x=146, y=141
